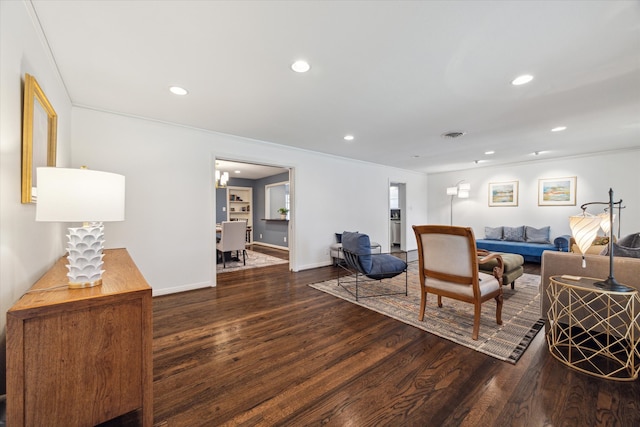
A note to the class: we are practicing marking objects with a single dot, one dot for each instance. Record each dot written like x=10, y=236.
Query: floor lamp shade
x=87, y=196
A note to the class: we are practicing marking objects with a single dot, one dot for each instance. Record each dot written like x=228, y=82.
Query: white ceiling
x=247, y=170
x=395, y=74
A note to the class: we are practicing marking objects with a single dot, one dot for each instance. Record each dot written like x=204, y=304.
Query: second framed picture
x=557, y=191
x=503, y=193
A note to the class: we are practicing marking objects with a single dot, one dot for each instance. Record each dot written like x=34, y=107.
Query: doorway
x=243, y=196
x=397, y=216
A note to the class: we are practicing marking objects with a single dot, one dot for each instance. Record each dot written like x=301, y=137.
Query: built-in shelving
x=240, y=205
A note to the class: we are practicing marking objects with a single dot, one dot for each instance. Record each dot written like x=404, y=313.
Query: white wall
x=170, y=199
x=28, y=248
x=595, y=175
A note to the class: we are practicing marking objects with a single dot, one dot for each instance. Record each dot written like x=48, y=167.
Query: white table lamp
x=585, y=227
x=87, y=196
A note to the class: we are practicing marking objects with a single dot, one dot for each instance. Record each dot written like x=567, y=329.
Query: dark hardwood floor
x=265, y=349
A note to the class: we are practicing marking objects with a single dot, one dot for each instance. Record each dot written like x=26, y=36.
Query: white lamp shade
x=605, y=222
x=452, y=191
x=584, y=229
x=463, y=194
x=79, y=195
x=465, y=186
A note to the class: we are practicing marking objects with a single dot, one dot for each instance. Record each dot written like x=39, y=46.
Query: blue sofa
x=530, y=248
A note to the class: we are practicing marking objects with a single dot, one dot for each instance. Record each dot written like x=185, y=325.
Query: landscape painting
x=503, y=193
x=557, y=191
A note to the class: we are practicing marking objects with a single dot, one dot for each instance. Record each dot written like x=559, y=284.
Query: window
x=276, y=197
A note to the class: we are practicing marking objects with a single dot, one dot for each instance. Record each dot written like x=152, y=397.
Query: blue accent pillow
x=513, y=234
x=493, y=233
x=537, y=235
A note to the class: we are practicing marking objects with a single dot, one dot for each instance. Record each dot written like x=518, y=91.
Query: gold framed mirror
x=39, y=133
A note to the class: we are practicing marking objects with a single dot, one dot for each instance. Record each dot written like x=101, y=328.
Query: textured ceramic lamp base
x=84, y=247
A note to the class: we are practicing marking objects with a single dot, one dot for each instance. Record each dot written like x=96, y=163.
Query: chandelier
x=221, y=179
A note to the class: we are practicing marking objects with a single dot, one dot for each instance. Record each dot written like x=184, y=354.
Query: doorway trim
x=402, y=205
x=292, y=214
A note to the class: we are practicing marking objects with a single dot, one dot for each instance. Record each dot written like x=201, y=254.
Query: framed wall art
x=503, y=193
x=39, y=133
x=557, y=191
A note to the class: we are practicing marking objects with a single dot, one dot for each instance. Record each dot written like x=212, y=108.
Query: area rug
x=454, y=321
x=253, y=260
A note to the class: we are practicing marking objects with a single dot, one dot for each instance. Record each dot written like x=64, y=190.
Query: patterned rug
x=253, y=260
x=454, y=321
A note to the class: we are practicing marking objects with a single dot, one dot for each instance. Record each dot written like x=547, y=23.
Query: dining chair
x=232, y=238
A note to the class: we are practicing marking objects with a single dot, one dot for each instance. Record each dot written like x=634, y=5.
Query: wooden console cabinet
x=80, y=357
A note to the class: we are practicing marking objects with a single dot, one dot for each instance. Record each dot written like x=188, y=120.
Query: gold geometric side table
x=594, y=330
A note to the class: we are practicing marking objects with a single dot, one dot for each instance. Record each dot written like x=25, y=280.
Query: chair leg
x=406, y=283
x=499, y=309
x=513, y=284
x=244, y=262
x=439, y=301
x=423, y=304
x=476, y=321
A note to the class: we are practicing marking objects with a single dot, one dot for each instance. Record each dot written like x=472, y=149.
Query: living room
x=170, y=199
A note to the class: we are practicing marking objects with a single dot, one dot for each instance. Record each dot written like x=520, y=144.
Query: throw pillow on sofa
x=513, y=234
x=630, y=241
x=493, y=233
x=537, y=235
x=628, y=246
x=623, y=251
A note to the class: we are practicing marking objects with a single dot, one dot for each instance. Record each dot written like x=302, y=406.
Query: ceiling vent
x=452, y=134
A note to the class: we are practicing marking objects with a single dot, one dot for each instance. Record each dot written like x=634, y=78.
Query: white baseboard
x=183, y=288
x=269, y=245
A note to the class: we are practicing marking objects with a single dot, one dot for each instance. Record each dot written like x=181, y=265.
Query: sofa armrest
x=562, y=243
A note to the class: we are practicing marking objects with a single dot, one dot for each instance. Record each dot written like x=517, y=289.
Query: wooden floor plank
x=264, y=349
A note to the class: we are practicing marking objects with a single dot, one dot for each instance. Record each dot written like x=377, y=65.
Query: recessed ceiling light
x=489, y=152
x=177, y=90
x=558, y=129
x=300, y=66
x=349, y=138
x=520, y=80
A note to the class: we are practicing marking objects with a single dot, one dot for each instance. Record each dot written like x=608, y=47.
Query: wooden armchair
x=448, y=265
